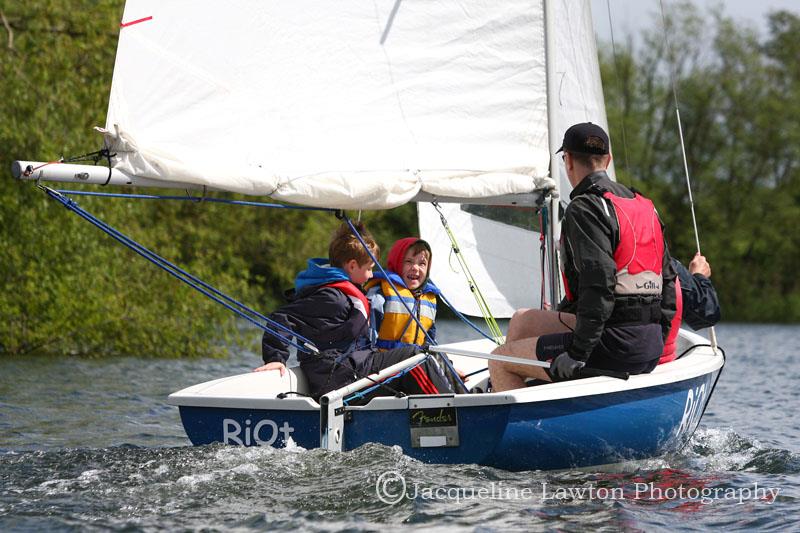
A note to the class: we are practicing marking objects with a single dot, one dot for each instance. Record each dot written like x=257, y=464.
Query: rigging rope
x=204, y=288
x=672, y=76
x=211, y=292
x=464, y=319
x=192, y=199
x=619, y=88
x=90, y=156
x=494, y=329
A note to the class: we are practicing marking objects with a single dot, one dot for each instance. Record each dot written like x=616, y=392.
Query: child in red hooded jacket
x=409, y=264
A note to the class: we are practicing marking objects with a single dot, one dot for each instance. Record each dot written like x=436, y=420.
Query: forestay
x=345, y=104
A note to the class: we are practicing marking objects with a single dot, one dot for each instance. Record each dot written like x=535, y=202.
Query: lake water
x=92, y=445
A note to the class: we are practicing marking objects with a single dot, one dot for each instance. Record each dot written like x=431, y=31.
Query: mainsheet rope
x=363, y=393
x=543, y=217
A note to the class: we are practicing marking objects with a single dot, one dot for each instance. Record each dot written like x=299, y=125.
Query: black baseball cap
x=585, y=138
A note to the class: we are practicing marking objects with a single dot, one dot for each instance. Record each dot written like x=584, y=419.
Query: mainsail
x=358, y=105
x=361, y=105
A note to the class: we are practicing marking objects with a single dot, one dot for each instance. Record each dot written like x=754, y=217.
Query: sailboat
x=458, y=106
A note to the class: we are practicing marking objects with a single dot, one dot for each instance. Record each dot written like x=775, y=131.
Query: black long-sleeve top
x=589, y=236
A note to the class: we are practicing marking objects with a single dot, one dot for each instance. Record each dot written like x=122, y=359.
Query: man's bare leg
x=508, y=376
x=523, y=332
x=537, y=322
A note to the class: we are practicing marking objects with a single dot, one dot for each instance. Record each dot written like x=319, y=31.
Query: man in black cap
x=619, y=283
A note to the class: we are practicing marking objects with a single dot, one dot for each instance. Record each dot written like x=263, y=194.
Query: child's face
x=415, y=269
x=358, y=274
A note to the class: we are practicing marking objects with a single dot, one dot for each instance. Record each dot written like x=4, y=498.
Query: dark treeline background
x=66, y=288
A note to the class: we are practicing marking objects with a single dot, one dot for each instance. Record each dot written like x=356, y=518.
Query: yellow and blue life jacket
x=397, y=328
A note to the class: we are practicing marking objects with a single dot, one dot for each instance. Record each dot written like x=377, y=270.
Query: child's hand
x=272, y=366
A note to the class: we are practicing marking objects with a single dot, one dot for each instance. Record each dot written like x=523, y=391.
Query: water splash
x=723, y=449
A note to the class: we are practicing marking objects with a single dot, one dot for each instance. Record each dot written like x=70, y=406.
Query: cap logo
x=586, y=138
x=595, y=144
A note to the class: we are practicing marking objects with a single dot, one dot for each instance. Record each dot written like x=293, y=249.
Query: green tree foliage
x=739, y=101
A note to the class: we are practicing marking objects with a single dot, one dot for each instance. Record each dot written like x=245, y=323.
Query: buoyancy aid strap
x=671, y=342
x=426, y=308
x=384, y=344
x=355, y=295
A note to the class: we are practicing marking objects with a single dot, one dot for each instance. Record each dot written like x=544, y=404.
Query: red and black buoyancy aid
x=640, y=250
x=354, y=294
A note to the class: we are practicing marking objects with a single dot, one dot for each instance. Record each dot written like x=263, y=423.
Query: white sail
x=578, y=90
x=345, y=104
x=504, y=258
x=364, y=105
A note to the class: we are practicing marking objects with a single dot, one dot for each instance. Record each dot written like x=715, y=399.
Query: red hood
x=395, y=258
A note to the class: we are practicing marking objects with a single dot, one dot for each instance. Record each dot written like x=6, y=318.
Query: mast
x=552, y=133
